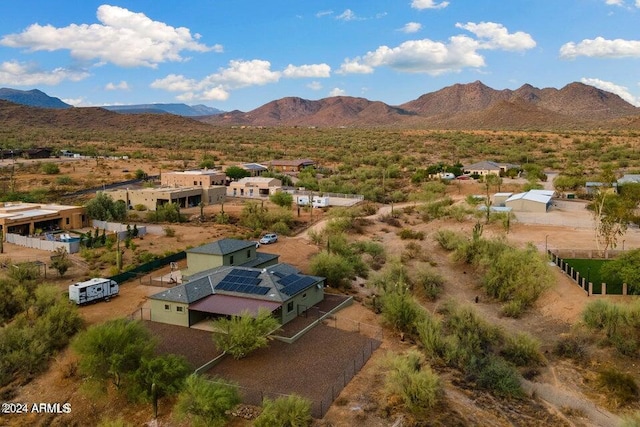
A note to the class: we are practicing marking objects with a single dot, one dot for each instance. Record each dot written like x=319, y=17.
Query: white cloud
x=324, y=13
x=117, y=86
x=76, y=102
x=14, y=73
x=337, y=92
x=428, y=4
x=123, y=38
x=411, y=27
x=315, y=85
x=615, y=2
x=314, y=70
x=621, y=91
x=347, y=15
x=498, y=37
x=238, y=74
x=435, y=58
x=638, y=3
x=420, y=56
x=601, y=48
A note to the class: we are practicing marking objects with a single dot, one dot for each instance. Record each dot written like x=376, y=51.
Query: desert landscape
x=399, y=224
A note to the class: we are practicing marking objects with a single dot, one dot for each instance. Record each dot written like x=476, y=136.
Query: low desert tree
x=50, y=168
x=626, y=269
x=113, y=350
x=103, y=208
x=168, y=212
x=240, y=335
x=60, y=261
x=410, y=379
x=205, y=403
x=286, y=411
x=337, y=270
x=282, y=199
x=167, y=372
x=236, y=172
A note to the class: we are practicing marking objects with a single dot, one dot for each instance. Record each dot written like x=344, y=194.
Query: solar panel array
x=294, y=283
x=243, y=281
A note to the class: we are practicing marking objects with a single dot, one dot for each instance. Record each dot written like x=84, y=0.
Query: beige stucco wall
x=182, y=179
x=167, y=312
x=527, y=206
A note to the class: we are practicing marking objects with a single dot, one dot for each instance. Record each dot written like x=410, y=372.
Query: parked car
x=269, y=238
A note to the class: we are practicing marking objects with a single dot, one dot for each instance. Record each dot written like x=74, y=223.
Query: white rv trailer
x=93, y=290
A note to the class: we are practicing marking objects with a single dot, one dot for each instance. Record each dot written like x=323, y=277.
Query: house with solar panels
x=234, y=252
x=232, y=290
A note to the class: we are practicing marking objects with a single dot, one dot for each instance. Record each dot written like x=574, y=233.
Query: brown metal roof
x=231, y=305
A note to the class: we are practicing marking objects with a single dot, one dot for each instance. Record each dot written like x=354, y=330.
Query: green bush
x=205, y=403
x=449, y=240
x=570, y=347
x=287, y=411
x=409, y=378
x=522, y=350
x=407, y=233
x=401, y=311
x=495, y=374
x=430, y=283
x=240, y=335
x=337, y=270
x=50, y=168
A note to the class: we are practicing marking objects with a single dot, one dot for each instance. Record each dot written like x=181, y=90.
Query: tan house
x=290, y=165
x=231, y=252
x=27, y=218
x=193, y=178
x=185, y=197
x=531, y=201
x=254, y=187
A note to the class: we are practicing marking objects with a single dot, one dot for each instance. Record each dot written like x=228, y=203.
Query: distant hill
x=32, y=98
x=464, y=106
x=177, y=109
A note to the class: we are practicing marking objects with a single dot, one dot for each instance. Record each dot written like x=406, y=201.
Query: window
x=180, y=309
x=289, y=306
x=167, y=307
x=231, y=259
x=304, y=295
x=248, y=253
x=67, y=219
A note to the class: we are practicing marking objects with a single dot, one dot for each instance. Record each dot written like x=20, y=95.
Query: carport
x=227, y=305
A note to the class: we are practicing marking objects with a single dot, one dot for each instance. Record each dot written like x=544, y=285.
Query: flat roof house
x=193, y=178
x=184, y=197
x=25, y=218
x=489, y=168
x=290, y=165
x=254, y=187
x=255, y=169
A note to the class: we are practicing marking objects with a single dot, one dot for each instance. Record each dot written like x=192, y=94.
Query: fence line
x=574, y=274
x=42, y=244
x=319, y=408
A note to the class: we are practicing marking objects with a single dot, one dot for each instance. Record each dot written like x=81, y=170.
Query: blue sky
x=241, y=54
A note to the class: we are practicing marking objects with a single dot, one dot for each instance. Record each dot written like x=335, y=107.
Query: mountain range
x=460, y=106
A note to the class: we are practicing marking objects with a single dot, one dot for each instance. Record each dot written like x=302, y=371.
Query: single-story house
x=531, y=201
x=185, y=197
x=26, y=218
x=629, y=179
x=290, y=165
x=593, y=187
x=231, y=252
x=255, y=169
x=489, y=168
x=255, y=186
x=194, y=178
x=37, y=153
x=232, y=290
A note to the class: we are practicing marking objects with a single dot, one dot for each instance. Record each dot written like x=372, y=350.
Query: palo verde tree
x=205, y=402
x=625, y=268
x=240, y=335
x=60, y=261
x=236, y=172
x=104, y=208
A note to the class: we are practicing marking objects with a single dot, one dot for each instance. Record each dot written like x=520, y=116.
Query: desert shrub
x=458, y=212
x=118, y=422
x=169, y=231
x=140, y=207
x=64, y=180
x=167, y=372
x=337, y=270
x=435, y=210
x=620, y=387
x=620, y=323
x=429, y=283
x=570, y=347
x=407, y=233
x=401, y=311
x=393, y=276
x=50, y=168
x=631, y=420
x=449, y=240
x=430, y=336
x=412, y=380
x=522, y=350
x=495, y=374
x=205, y=403
x=286, y=411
